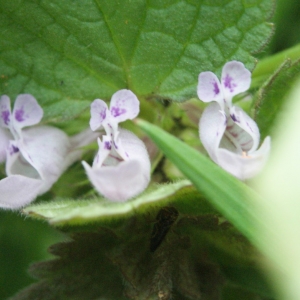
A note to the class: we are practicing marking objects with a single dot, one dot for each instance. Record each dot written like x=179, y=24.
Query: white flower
x=229, y=135
x=121, y=169
x=36, y=156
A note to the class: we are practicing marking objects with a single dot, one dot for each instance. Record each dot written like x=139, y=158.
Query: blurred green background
x=23, y=241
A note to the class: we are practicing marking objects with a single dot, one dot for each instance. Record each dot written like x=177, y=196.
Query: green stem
x=269, y=65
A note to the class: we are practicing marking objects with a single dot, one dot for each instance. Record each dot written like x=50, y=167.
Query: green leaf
x=229, y=195
x=20, y=247
x=249, y=278
x=61, y=212
x=119, y=263
x=81, y=271
x=66, y=51
x=271, y=97
x=268, y=66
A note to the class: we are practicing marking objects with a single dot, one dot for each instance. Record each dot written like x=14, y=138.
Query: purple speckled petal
x=212, y=126
x=18, y=190
x=235, y=79
x=124, y=105
x=5, y=112
x=104, y=149
x=26, y=112
x=99, y=113
x=209, y=88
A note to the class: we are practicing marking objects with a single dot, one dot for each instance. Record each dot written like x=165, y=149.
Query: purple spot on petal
x=5, y=115
x=116, y=111
x=126, y=154
x=216, y=88
x=115, y=145
x=13, y=149
x=228, y=82
x=103, y=114
x=234, y=118
x=19, y=115
x=107, y=145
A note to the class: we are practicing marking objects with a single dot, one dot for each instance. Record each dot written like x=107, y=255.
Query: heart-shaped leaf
x=73, y=51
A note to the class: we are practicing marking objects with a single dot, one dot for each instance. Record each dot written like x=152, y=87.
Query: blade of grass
x=229, y=195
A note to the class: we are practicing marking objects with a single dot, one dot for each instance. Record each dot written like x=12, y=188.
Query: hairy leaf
x=81, y=212
x=271, y=97
x=75, y=51
x=119, y=262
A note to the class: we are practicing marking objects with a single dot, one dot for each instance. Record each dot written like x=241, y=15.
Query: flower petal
x=124, y=105
x=118, y=183
x=128, y=178
x=246, y=133
x=17, y=191
x=43, y=152
x=77, y=142
x=105, y=147
x=5, y=112
x=209, y=88
x=211, y=128
x=16, y=163
x=132, y=148
x=5, y=136
x=244, y=167
x=235, y=79
x=26, y=112
x=99, y=112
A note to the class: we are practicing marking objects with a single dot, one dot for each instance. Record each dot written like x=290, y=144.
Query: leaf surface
x=271, y=97
x=74, y=51
x=65, y=212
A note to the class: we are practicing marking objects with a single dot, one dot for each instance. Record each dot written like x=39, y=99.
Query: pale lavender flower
x=229, y=135
x=35, y=156
x=121, y=169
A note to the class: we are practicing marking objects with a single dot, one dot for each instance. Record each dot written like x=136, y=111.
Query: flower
x=36, y=156
x=121, y=168
x=229, y=135
x=26, y=112
x=124, y=105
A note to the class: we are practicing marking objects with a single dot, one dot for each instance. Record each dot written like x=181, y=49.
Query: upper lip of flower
x=26, y=112
x=235, y=79
x=124, y=105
